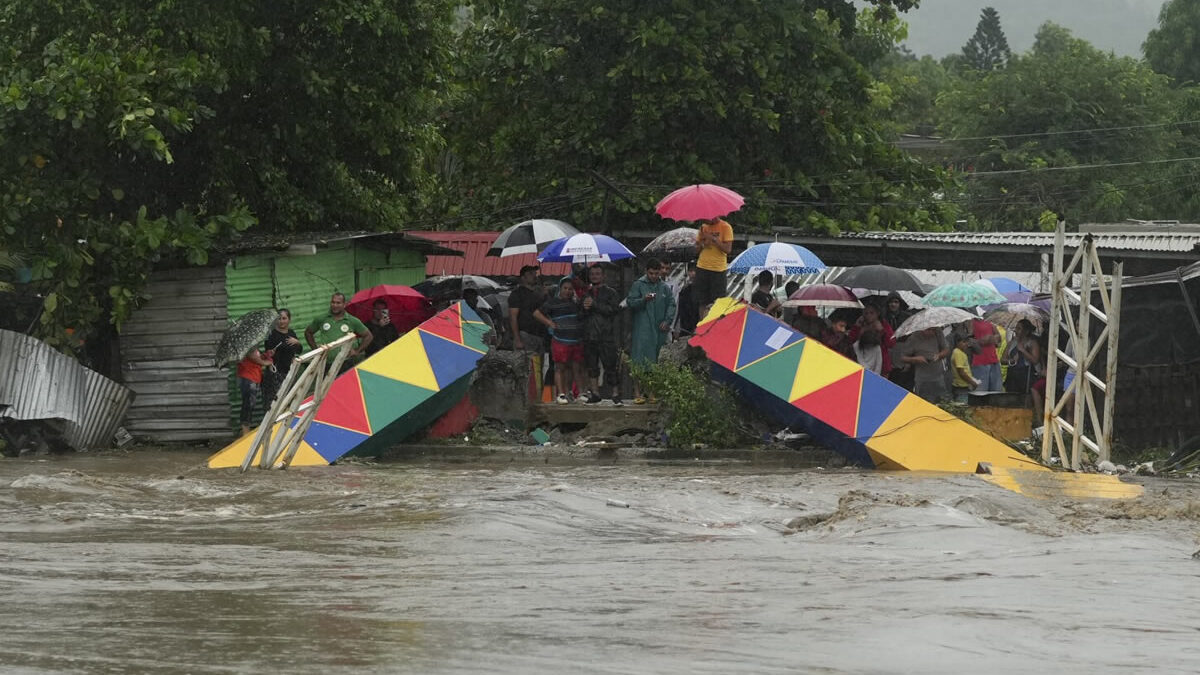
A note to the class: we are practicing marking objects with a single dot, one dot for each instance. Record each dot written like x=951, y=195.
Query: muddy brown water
x=147, y=562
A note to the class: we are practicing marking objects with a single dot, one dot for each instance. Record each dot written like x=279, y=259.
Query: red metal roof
x=475, y=260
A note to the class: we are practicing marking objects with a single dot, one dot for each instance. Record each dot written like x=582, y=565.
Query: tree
x=987, y=49
x=914, y=85
x=1065, y=129
x=134, y=134
x=1174, y=47
x=773, y=98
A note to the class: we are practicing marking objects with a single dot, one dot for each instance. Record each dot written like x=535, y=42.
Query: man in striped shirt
x=561, y=315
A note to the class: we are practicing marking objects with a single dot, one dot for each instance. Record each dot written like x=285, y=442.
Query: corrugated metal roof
x=167, y=349
x=263, y=242
x=476, y=261
x=1182, y=242
x=37, y=383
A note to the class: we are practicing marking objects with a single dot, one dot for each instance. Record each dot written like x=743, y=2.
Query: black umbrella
x=530, y=236
x=879, y=278
x=442, y=288
x=677, y=245
x=244, y=335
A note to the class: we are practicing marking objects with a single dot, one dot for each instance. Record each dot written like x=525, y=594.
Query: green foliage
x=1024, y=148
x=913, y=86
x=1173, y=48
x=987, y=49
x=134, y=134
x=773, y=98
x=8, y=265
x=696, y=414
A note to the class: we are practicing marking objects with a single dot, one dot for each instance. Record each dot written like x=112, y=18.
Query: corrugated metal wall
x=375, y=267
x=303, y=284
x=37, y=382
x=167, y=350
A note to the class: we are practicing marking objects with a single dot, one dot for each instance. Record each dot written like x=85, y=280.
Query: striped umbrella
x=530, y=236
x=777, y=256
x=583, y=248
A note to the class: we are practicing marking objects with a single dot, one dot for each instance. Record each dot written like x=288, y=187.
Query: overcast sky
x=940, y=27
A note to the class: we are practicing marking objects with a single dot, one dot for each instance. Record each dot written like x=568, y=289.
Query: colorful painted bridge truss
x=843, y=406
x=398, y=391
x=873, y=422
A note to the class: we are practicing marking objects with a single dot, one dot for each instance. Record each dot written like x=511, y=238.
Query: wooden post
x=1080, y=350
x=1110, y=370
x=1049, y=428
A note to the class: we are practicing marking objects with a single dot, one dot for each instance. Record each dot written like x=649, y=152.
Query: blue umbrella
x=1012, y=290
x=584, y=248
x=777, y=257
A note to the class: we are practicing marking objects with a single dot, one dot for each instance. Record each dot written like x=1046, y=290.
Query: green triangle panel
x=387, y=399
x=473, y=335
x=777, y=372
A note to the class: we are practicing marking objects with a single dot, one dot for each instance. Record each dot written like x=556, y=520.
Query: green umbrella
x=962, y=295
x=244, y=335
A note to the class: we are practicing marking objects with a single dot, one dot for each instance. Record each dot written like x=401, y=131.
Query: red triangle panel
x=836, y=404
x=343, y=405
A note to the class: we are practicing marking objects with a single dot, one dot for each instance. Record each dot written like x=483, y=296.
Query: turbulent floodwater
x=147, y=562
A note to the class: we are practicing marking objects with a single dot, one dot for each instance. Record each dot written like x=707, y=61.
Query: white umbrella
x=933, y=317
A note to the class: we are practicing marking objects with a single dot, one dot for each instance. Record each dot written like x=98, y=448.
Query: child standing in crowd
x=960, y=362
x=250, y=374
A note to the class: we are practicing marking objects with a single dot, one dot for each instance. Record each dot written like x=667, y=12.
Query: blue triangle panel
x=450, y=361
x=760, y=328
x=332, y=442
x=879, y=398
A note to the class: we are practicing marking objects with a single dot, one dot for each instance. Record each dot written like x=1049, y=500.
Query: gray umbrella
x=244, y=335
x=677, y=245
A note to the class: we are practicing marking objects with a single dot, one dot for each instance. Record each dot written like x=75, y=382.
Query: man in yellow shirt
x=714, y=241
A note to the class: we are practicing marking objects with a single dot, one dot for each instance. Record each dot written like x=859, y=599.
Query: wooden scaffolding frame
x=1085, y=350
x=309, y=372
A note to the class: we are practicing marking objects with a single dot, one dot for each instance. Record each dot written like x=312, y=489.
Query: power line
x=1064, y=132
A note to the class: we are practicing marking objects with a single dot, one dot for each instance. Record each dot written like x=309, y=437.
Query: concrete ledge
x=630, y=415
x=806, y=457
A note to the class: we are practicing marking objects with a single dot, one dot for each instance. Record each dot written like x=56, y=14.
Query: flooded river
x=147, y=562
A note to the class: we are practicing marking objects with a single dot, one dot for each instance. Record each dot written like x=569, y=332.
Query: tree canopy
x=131, y=133
x=1174, y=47
x=1065, y=129
x=774, y=98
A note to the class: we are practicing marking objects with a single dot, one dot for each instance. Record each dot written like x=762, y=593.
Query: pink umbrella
x=822, y=295
x=699, y=202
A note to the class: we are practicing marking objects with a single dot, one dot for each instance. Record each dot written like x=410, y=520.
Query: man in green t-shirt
x=324, y=330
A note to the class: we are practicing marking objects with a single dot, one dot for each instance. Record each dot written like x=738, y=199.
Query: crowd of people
x=576, y=324
x=938, y=364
